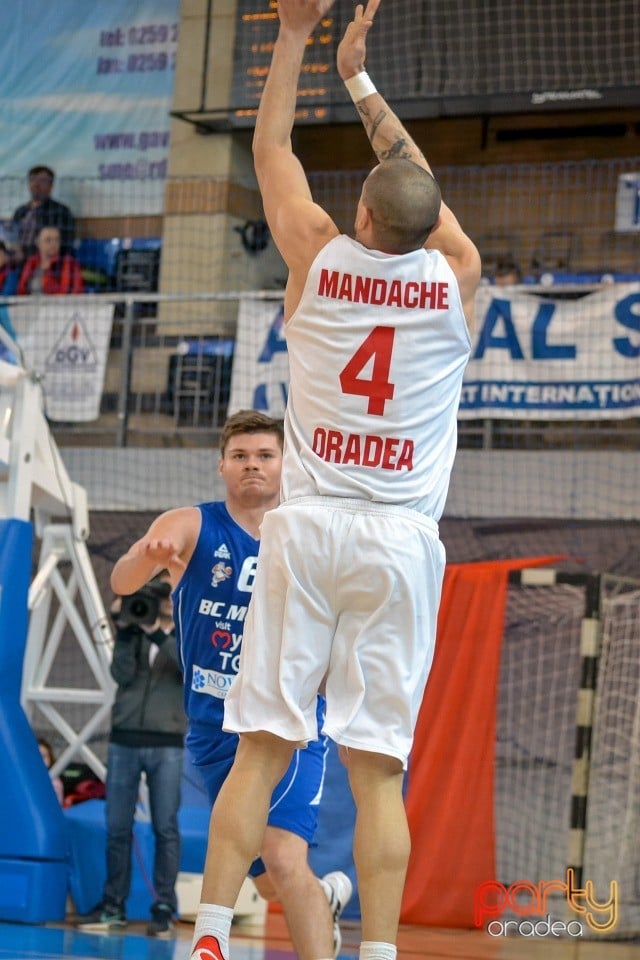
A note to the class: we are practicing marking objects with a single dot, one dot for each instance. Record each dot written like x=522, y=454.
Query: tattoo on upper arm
x=397, y=149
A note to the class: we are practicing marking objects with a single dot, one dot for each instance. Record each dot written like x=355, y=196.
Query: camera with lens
x=143, y=607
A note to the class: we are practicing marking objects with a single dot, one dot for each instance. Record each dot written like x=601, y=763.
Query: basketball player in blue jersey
x=211, y=553
x=350, y=569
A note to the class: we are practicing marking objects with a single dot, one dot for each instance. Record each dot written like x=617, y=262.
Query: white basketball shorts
x=346, y=594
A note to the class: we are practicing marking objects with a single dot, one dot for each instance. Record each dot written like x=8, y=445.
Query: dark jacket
x=49, y=213
x=148, y=710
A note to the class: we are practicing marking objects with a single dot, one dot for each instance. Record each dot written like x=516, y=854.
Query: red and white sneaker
x=207, y=948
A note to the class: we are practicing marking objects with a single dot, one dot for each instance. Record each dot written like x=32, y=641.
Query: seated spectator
x=46, y=752
x=50, y=271
x=8, y=287
x=507, y=274
x=8, y=274
x=42, y=211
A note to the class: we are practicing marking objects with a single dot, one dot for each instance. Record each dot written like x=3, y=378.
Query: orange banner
x=451, y=771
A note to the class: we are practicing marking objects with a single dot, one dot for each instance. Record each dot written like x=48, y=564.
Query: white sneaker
x=338, y=890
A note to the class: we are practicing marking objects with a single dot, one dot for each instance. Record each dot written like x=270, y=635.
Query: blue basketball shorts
x=295, y=800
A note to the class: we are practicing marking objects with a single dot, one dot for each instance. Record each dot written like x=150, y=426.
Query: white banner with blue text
x=87, y=89
x=535, y=355
x=554, y=356
x=260, y=375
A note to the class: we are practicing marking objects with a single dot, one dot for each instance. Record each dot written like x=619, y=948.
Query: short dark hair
x=506, y=267
x=250, y=421
x=49, y=226
x=40, y=168
x=404, y=202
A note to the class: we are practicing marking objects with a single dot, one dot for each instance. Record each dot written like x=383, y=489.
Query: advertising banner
x=535, y=355
x=67, y=345
x=260, y=375
x=86, y=88
x=546, y=357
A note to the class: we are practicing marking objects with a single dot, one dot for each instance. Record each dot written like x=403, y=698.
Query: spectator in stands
x=49, y=270
x=8, y=273
x=147, y=734
x=42, y=211
x=46, y=752
x=8, y=287
x=507, y=274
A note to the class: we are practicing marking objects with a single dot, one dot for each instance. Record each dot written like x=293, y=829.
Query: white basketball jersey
x=377, y=350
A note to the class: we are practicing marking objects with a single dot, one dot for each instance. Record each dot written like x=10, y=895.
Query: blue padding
x=86, y=824
x=33, y=891
x=32, y=826
x=88, y=834
x=88, y=837
x=16, y=537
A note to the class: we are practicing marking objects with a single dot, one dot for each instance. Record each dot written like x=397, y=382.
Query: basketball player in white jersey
x=350, y=567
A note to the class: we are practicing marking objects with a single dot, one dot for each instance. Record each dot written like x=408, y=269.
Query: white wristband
x=360, y=86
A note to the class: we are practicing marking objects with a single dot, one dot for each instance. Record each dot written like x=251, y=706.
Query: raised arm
x=168, y=544
x=299, y=227
x=390, y=139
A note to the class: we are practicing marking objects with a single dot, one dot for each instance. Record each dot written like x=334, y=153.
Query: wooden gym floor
x=61, y=941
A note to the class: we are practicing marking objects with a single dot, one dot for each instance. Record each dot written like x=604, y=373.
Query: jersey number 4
x=377, y=346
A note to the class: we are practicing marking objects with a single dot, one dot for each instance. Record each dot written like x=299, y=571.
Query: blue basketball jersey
x=210, y=606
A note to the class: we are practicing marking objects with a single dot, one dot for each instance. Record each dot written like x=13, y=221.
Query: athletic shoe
x=338, y=889
x=207, y=948
x=102, y=919
x=161, y=923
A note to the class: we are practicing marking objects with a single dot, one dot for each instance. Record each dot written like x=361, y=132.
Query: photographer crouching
x=147, y=734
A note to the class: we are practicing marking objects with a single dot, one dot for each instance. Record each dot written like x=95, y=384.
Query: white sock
x=215, y=921
x=370, y=950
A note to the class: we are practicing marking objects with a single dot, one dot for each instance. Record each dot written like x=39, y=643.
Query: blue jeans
x=163, y=768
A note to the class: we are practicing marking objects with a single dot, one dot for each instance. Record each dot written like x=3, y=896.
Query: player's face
x=251, y=466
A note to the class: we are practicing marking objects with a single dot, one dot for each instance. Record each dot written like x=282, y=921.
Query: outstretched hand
x=302, y=16
x=352, y=50
x=164, y=552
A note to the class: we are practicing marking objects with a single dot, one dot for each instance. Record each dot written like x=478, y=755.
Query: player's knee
x=373, y=772
x=265, y=887
x=265, y=750
x=285, y=857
